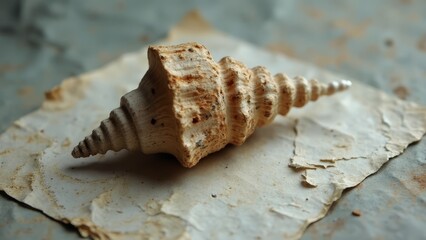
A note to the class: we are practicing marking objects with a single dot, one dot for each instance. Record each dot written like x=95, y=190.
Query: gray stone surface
x=382, y=43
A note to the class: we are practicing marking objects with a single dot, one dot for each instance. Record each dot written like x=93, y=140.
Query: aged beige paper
x=283, y=178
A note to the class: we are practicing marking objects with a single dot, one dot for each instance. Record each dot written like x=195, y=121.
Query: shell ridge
x=190, y=106
x=224, y=73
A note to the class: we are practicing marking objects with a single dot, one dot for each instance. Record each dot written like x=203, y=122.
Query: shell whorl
x=255, y=97
x=114, y=133
x=190, y=106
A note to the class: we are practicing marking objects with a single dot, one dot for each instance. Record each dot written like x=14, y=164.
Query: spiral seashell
x=188, y=105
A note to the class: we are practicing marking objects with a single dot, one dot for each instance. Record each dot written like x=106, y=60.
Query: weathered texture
x=190, y=106
x=247, y=192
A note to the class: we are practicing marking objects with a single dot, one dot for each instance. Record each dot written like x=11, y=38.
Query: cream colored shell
x=190, y=106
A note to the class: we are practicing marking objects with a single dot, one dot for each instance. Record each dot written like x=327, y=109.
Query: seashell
x=188, y=105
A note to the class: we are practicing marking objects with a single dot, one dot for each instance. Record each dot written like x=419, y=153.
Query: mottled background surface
x=382, y=43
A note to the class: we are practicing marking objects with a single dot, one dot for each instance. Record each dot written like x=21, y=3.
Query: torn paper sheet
x=283, y=178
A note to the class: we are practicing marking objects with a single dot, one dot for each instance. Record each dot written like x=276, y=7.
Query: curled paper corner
x=307, y=181
x=193, y=23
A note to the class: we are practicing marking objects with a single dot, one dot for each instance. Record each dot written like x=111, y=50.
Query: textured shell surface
x=188, y=105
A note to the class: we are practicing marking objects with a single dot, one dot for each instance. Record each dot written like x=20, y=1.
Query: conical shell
x=189, y=105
